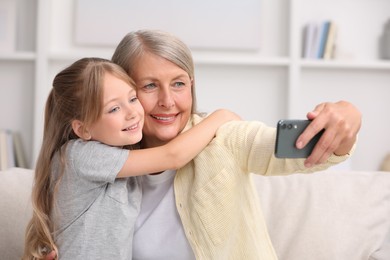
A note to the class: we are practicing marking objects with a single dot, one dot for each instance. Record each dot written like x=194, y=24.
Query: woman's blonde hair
x=160, y=43
x=77, y=93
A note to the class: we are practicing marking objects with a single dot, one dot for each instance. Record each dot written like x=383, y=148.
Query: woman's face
x=164, y=91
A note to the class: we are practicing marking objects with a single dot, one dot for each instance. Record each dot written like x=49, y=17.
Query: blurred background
x=264, y=59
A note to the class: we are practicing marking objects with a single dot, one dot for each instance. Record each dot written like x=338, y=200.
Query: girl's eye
x=133, y=99
x=114, y=110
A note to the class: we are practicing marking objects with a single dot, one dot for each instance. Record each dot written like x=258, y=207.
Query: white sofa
x=334, y=215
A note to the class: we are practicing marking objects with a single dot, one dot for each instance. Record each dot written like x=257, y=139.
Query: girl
x=84, y=207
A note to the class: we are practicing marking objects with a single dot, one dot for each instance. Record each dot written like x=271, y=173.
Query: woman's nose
x=166, y=99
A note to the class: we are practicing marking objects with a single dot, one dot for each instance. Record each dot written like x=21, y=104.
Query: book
x=3, y=150
x=330, y=42
x=10, y=149
x=310, y=31
x=20, y=158
x=322, y=39
x=317, y=40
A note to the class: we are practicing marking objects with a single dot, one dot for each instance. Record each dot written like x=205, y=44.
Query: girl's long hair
x=77, y=93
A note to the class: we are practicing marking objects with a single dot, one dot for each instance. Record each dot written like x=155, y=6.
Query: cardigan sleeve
x=252, y=145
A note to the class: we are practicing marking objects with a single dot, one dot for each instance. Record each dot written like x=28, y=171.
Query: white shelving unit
x=17, y=75
x=271, y=83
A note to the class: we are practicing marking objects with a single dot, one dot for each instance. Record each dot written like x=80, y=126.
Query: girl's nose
x=130, y=113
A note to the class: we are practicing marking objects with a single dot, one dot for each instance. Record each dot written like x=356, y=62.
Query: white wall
x=265, y=84
x=260, y=92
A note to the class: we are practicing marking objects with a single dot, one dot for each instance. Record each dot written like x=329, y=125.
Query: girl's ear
x=80, y=130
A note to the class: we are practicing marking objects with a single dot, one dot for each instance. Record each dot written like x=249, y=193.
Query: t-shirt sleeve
x=95, y=161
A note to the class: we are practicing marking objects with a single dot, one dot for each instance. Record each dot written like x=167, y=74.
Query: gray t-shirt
x=94, y=213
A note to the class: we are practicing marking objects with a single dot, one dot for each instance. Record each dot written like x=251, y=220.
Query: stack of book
x=319, y=40
x=11, y=150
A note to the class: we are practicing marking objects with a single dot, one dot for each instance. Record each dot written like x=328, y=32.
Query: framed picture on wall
x=202, y=24
x=7, y=25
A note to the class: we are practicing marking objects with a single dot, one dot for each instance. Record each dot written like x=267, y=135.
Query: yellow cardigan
x=216, y=198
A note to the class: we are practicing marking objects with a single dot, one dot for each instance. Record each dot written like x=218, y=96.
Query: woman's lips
x=164, y=118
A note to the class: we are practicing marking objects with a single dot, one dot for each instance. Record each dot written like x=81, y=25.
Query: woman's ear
x=80, y=130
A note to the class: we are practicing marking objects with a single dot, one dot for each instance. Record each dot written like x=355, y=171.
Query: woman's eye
x=150, y=86
x=179, y=84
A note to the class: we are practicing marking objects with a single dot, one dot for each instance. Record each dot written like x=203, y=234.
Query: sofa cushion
x=15, y=210
x=328, y=215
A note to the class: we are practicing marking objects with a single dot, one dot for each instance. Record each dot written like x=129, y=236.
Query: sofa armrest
x=15, y=210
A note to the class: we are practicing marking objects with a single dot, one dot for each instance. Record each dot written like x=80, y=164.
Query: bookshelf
x=17, y=75
x=267, y=84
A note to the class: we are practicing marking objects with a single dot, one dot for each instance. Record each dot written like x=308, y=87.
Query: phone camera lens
x=283, y=126
x=289, y=126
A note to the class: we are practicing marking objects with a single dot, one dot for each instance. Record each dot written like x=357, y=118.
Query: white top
x=159, y=232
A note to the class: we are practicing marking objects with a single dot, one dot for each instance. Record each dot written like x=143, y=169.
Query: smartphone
x=287, y=133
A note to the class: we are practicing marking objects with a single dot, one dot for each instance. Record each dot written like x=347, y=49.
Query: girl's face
x=123, y=116
x=164, y=91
